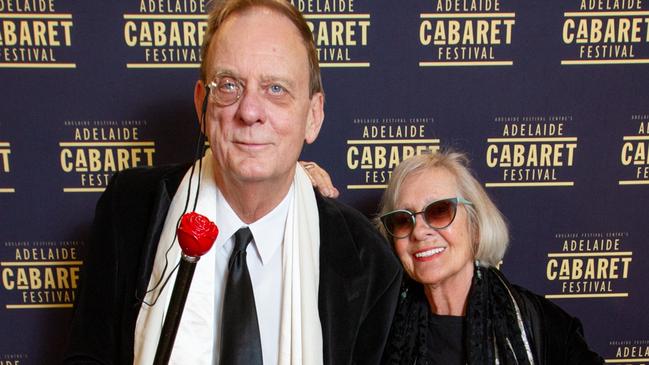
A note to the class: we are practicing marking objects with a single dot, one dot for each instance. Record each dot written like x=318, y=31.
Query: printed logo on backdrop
x=13, y=358
x=340, y=30
x=601, y=32
x=634, y=154
x=629, y=351
x=589, y=265
x=531, y=151
x=467, y=33
x=164, y=33
x=5, y=168
x=381, y=144
x=92, y=151
x=39, y=274
x=35, y=34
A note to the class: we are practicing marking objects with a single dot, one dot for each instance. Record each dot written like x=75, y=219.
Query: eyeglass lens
x=225, y=90
x=440, y=214
x=437, y=215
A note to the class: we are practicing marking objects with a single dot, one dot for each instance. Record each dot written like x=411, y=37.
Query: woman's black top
x=445, y=339
x=504, y=324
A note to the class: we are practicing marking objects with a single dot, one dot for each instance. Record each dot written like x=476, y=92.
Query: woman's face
x=434, y=257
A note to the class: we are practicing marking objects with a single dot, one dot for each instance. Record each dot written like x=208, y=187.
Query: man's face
x=259, y=137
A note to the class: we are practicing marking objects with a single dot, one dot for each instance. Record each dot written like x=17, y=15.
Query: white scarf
x=300, y=339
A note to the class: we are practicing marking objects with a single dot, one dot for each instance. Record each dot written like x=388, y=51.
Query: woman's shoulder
x=546, y=309
x=533, y=304
x=558, y=335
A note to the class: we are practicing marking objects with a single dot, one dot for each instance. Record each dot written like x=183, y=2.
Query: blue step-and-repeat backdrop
x=549, y=98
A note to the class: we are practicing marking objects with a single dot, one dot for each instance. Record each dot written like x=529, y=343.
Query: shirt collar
x=268, y=231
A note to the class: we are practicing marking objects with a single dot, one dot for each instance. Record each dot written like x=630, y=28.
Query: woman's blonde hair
x=487, y=226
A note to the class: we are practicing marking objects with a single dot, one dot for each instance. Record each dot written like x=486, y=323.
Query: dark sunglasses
x=437, y=215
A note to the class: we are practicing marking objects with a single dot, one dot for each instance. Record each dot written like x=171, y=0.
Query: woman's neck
x=450, y=297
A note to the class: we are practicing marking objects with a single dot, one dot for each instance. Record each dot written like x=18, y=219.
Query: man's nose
x=251, y=106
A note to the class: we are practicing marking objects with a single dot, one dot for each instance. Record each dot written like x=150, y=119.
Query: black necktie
x=240, y=342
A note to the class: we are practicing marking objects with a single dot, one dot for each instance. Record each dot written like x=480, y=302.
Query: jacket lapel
x=341, y=293
x=160, y=203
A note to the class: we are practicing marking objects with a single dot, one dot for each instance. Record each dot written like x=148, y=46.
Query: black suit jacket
x=359, y=275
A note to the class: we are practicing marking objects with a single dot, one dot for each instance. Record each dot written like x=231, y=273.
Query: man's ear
x=199, y=97
x=314, y=118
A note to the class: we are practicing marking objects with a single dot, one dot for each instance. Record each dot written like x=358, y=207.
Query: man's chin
x=261, y=174
x=252, y=173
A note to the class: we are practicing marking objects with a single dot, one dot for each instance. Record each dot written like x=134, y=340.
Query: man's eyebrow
x=281, y=79
x=220, y=72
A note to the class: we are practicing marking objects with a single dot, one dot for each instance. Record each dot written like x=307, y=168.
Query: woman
x=455, y=306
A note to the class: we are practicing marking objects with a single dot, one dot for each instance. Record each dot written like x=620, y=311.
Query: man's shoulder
x=354, y=220
x=134, y=182
x=146, y=176
x=347, y=226
x=133, y=191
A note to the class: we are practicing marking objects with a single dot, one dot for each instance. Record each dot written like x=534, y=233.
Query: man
x=325, y=283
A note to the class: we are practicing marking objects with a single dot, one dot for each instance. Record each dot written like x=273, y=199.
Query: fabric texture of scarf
x=300, y=332
x=495, y=333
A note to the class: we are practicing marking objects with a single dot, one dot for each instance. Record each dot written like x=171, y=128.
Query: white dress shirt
x=264, y=258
